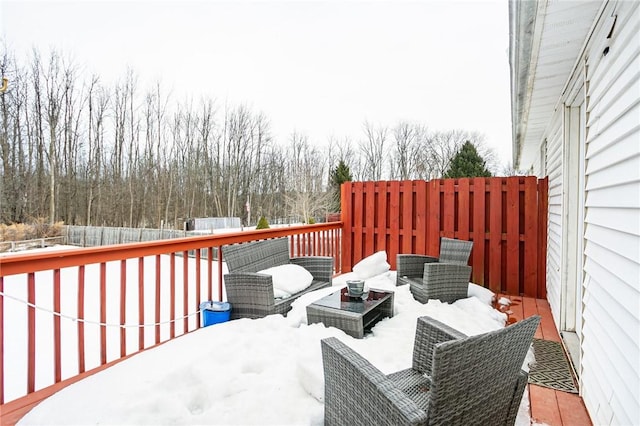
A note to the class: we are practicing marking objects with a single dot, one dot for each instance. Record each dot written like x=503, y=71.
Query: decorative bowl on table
x=355, y=288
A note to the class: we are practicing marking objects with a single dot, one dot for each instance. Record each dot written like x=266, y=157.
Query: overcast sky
x=320, y=68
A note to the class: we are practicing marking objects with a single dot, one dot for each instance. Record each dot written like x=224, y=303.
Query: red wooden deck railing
x=190, y=280
x=506, y=218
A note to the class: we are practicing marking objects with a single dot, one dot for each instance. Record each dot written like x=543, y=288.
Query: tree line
x=77, y=151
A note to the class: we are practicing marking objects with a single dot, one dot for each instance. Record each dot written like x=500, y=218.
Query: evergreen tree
x=338, y=176
x=467, y=163
x=262, y=223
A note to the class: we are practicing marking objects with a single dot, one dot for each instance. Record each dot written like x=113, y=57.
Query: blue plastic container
x=215, y=312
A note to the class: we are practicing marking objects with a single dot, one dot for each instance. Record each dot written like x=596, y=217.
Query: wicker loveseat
x=251, y=294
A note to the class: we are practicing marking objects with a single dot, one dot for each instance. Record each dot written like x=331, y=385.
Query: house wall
x=611, y=327
x=610, y=207
x=553, y=164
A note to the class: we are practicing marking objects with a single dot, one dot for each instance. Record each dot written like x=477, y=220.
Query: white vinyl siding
x=611, y=330
x=555, y=218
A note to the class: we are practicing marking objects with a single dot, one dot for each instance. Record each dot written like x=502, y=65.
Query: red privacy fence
x=505, y=217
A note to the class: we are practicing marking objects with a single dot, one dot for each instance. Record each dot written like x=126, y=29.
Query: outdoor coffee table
x=353, y=315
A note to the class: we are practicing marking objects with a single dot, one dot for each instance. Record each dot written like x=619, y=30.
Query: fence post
x=543, y=208
x=512, y=252
x=381, y=225
x=433, y=225
x=531, y=226
x=422, y=216
x=464, y=194
x=346, y=206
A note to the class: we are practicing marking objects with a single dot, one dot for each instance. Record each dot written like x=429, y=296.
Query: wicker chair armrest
x=357, y=393
x=412, y=265
x=430, y=332
x=237, y=278
x=250, y=294
x=321, y=267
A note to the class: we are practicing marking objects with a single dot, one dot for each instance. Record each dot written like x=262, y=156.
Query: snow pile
x=266, y=371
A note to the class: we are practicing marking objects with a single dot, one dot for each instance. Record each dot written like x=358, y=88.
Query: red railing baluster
x=185, y=291
x=198, y=287
x=103, y=313
x=209, y=273
x=57, y=350
x=31, y=338
x=141, y=302
x=220, y=273
x=123, y=307
x=2, y=341
x=172, y=295
x=81, y=352
x=157, y=306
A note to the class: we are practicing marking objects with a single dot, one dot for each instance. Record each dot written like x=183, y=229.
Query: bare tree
x=237, y=150
x=10, y=110
x=271, y=185
x=443, y=147
x=206, y=126
x=307, y=171
x=246, y=137
x=98, y=102
x=163, y=152
x=133, y=154
x=406, y=158
x=509, y=170
x=71, y=145
x=54, y=86
x=423, y=163
x=343, y=150
x=80, y=152
x=372, y=149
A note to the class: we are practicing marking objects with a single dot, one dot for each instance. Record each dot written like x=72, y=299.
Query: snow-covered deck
x=546, y=406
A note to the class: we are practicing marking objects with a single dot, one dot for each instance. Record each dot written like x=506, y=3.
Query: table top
x=341, y=300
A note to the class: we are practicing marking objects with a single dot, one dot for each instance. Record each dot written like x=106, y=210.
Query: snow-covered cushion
x=288, y=278
x=371, y=266
x=280, y=294
x=482, y=293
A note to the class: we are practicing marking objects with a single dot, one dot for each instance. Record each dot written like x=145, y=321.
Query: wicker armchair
x=443, y=281
x=451, y=251
x=251, y=294
x=454, y=379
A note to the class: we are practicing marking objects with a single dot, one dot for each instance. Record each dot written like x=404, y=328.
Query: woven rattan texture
x=471, y=380
x=251, y=294
x=411, y=266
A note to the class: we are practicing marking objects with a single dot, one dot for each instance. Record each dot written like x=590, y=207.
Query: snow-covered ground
x=265, y=371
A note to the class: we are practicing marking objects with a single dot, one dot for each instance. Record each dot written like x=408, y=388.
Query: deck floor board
x=548, y=406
